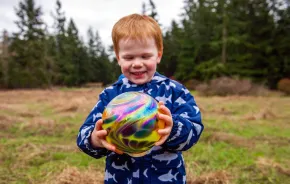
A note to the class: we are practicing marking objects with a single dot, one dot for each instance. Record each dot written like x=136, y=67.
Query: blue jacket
x=163, y=164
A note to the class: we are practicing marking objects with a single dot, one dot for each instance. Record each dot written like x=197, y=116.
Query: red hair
x=137, y=27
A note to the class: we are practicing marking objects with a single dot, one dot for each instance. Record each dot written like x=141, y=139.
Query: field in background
x=246, y=139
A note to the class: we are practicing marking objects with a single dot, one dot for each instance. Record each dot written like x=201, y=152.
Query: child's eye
x=146, y=57
x=128, y=58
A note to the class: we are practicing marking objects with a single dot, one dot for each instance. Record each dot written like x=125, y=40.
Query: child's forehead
x=136, y=41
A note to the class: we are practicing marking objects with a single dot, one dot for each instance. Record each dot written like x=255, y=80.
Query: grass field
x=246, y=139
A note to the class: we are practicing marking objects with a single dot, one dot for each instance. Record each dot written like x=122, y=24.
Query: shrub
x=284, y=85
x=203, y=89
x=192, y=84
x=224, y=86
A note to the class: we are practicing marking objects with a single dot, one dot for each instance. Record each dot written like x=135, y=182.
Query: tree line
x=237, y=38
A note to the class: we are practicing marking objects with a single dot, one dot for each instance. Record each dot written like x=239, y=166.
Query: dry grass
x=69, y=106
x=264, y=164
x=39, y=127
x=219, y=177
x=230, y=139
x=28, y=152
x=72, y=175
x=243, y=109
x=43, y=126
x=7, y=121
x=265, y=113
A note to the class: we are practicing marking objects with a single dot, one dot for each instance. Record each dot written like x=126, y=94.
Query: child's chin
x=139, y=81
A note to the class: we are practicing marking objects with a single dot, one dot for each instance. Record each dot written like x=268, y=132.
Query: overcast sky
x=99, y=14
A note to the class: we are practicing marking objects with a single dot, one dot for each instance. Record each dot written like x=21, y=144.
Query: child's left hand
x=167, y=118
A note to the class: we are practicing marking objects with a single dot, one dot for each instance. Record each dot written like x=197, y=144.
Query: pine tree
x=199, y=55
x=4, y=59
x=108, y=75
x=28, y=66
x=144, y=10
x=150, y=10
x=72, y=62
x=254, y=55
x=95, y=49
x=172, y=47
x=281, y=63
x=58, y=51
x=114, y=62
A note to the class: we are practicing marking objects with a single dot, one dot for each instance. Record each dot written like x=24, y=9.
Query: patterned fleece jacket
x=162, y=164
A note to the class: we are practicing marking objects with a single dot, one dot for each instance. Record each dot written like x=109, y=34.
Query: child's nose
x=137, y=64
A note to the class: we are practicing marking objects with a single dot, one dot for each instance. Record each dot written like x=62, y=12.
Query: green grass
x=39, y=146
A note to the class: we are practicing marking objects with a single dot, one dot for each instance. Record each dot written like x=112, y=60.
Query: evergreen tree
x=238, y=38
x=172, y=47
x=58, y=51
x=108, y=75
x=257, y=45
x=151, y=11
x=199, y=55
x=281, y=63
x=60, y=20
x=115, y=66
x=95, y=49
x=75, y=71
x=227, y=38
x=52, y=67
x=262, y=38
x=144, y=10
x=212, y=29
x=4, y=59
x=29, y=64
x=104, y=70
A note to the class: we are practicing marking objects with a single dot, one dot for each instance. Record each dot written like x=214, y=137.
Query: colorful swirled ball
x=131, y=122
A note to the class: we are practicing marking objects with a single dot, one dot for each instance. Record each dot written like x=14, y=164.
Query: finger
x=98, y=125
x=164, y=110
x=165, y=131
x=118, y=151
x=101, y=133
x=167, y=119
x=161, y=141
x=107, y=145
x=161, y=103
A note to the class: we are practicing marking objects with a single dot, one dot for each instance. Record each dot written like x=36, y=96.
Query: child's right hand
x=98, y=138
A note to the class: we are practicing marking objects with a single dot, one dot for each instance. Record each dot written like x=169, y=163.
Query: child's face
x=138, y=59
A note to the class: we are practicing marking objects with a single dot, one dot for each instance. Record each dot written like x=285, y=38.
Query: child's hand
x=98, y=138
x=167, y=118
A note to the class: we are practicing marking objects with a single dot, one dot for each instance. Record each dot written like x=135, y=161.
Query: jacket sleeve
x=83, y=138
x=187, y=124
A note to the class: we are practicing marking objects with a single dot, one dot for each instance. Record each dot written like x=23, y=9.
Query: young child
x=138, y=46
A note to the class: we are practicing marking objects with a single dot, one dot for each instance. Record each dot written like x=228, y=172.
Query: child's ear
x=159, y=57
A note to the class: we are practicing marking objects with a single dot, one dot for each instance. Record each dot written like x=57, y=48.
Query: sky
x=101, y=15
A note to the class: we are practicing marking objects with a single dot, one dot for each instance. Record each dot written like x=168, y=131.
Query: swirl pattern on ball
x=131, y=122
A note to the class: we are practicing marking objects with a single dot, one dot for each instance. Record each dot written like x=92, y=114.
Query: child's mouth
x=138, y=74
